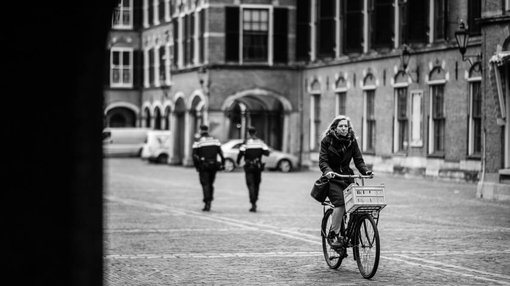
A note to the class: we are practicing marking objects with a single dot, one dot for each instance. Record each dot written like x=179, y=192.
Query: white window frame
x=168, y=63
x=121, y=50
x=313, y=32
x=121, y=25
x=313, y=117
x=470, y=119
x=180, y=42
x=145, y=13
x=432, y=23
x=365, y=114
x=396, y=129
x=269, y=8
x=432, y=147
x=338, y=92
x=156, y=66
x=196, y=26
x=168, y=17
x=146, y=66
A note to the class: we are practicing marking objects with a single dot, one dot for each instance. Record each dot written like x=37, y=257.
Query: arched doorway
x=178, y=128
x=197, y=112
x=166, y=118
x=120, y=117
x=146, y=117
x=157, y=119
x=265, y=111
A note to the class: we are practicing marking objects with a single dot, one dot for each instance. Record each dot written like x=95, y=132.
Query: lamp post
x=462, y=37
x=405, y=56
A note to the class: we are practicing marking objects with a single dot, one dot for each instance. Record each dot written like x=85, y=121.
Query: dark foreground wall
x=52, y=111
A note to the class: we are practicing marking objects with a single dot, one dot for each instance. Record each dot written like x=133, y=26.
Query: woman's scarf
x=341, y=143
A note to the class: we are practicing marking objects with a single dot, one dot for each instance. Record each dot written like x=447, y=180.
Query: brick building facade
x=288, y=67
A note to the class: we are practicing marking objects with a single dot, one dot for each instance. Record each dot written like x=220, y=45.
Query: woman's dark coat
x=335, y=156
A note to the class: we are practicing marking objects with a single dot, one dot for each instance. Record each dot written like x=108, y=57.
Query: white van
x=158, y=145
x=124, y=141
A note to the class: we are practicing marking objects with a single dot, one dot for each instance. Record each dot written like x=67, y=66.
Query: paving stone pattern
x=432, y=232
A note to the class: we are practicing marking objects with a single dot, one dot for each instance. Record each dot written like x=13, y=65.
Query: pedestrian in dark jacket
x=205, y=158
x=338, y=148
x=253, y=149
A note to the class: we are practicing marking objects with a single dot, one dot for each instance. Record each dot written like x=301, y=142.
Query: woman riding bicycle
x=338, y=148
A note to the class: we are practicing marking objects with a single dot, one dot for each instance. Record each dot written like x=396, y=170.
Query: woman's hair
x=334, y=123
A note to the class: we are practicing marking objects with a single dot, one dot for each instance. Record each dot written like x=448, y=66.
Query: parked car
x=123, y=141
x=157, y=146
x=277, y=160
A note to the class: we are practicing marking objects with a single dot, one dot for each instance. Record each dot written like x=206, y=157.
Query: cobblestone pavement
x=432, y=232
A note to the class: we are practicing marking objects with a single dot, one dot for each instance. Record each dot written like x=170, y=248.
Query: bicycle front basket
x=364, y=199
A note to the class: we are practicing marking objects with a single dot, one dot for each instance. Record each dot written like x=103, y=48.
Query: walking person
x=205, y=159
x=338, y=148
x=253, y=149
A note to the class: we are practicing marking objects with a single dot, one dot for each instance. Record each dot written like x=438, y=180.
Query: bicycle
x=363, y=204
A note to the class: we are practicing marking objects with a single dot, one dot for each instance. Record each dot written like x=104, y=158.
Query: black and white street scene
x=229, y=112
x=257, y=142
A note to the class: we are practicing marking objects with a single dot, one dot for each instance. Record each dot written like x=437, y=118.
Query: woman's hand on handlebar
x=330, y=175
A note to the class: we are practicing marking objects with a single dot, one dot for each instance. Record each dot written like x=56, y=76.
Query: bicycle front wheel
x=330, y=255
x=367, y=247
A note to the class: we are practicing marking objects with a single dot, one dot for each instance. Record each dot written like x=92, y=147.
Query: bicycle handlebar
x=359, y=176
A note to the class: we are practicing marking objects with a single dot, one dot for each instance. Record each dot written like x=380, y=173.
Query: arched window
x=341, y=96
x=147, y=117
x=369, y=128
x=437, y=81
x=315, y=111
x=475, y=111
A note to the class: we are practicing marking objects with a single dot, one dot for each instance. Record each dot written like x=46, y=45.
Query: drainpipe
x=484, y=156
x=300, y=110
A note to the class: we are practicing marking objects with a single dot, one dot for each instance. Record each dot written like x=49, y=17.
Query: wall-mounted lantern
x=405, y=56
x=462, y=37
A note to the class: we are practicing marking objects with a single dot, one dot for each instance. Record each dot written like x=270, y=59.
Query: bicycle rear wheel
x=366, y=246
x=330, y=255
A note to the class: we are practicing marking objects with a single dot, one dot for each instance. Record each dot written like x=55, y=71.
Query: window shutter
x=137, y=69
x=161, y=11
x=201, y=47
x=175, y=57
x=232, y=34
x=137, y=14
x=303, y=30
x=280, y=43
x=326, y=28
x=191, y=38
x=417, y=21
x=353, y=26
x=381, y=24
x=402, y=6
x=474, y=13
